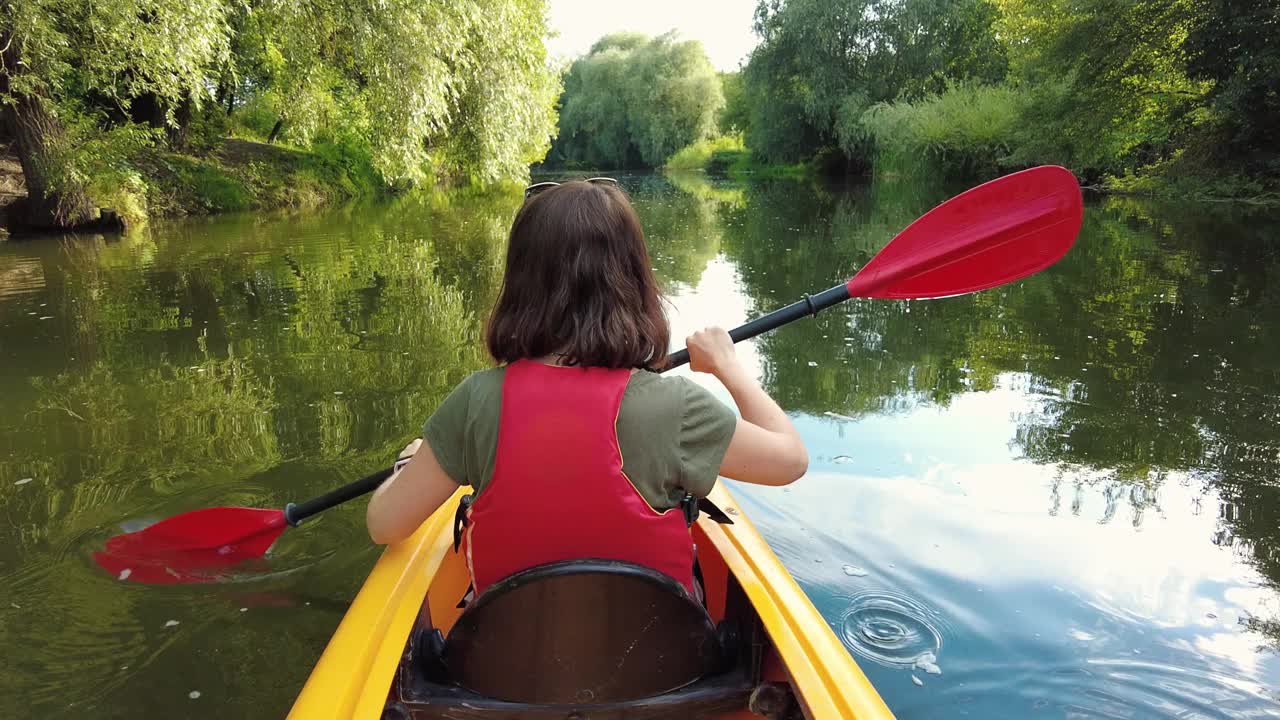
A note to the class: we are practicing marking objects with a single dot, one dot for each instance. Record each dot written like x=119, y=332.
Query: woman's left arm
x=409, y=497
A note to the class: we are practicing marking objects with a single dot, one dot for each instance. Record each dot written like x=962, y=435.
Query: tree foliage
x=62, y=60
x=113, y=50
x=734, y=116
x=1110, y=88
x=1109, y=83
x=634, y=100
x=455, y=87
x=821, y=63
x=425, y=90
x=1234, y=45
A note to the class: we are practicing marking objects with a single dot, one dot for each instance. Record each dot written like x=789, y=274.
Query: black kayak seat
x=608, y=638
x=586, y=631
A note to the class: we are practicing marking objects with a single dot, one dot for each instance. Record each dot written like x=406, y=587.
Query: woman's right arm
x=765, y=448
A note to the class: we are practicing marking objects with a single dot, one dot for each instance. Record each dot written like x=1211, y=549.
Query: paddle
x=993, y=234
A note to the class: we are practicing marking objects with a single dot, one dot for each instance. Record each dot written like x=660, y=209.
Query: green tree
x=736, y=112
x=425, y=90
x=1110, y=91
x=832, y=59
x=1235, y=46
x=458, y=88
x=634, y=100
x=58, y=52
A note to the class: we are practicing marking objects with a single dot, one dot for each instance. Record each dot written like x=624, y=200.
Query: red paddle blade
x=191, y=547
x=995, y=233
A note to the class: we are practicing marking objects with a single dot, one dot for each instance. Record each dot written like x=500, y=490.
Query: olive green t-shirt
x=672, y=432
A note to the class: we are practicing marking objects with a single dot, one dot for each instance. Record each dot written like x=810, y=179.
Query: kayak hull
x=358, y=668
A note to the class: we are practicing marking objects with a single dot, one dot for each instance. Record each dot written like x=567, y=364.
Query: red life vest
x=558, y=491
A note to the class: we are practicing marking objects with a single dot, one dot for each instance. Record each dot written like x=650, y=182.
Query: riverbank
x=12, y=184
x=726, y=157
x=248, y=175
x=234, y=175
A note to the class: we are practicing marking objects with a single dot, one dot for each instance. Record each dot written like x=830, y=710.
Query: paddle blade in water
x=191, y=546
x=995, y=233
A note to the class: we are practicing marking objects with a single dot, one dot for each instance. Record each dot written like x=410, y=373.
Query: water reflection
x=1060, y=495
x=232, y=361
x=1066, y=432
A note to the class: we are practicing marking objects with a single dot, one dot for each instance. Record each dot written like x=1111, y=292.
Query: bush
x=1191, y=178
x=727, y=155
x=216, y=190
x=699, y=155
x=180, y=185
x=253, y=120
x=102, y=160
x=205, y=132
x=344, y=163
x=967, y=131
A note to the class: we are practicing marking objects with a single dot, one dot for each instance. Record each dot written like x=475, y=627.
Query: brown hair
x=578, y=282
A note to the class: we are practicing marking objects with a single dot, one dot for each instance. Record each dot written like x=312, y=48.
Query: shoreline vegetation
x=271, y=104
x=235, y=174
x=1167, y=98
x=263, y=103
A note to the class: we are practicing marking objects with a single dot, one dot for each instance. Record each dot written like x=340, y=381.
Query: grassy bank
x=973, y=133
x=233, y=174
x=248, y=175
x=726, y=155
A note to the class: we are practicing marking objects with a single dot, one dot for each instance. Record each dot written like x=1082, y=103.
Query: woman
x=572, y=448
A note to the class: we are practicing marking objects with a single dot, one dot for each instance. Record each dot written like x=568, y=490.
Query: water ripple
x=890, y=628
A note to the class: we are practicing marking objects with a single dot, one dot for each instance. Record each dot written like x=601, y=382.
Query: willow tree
x=457, y=88
x=425, y=88
x=635, y=100
x=57, y=54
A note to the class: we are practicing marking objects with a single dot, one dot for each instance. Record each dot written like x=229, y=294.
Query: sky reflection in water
x=1030, y=589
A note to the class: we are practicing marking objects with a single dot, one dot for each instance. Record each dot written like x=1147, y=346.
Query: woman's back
x=672, y=434
x=558, y=489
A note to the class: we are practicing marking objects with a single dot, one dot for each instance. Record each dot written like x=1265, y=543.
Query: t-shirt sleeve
x=446, y=432
x=706, y=427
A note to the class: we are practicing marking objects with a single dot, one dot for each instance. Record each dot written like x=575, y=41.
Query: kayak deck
x=355, y=673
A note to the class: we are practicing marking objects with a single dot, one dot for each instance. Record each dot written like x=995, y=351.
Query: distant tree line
x=1133, y=93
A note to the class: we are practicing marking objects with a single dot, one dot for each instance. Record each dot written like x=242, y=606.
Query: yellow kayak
x=759, y=647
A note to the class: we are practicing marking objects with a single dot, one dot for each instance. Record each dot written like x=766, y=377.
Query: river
x=1067, y=490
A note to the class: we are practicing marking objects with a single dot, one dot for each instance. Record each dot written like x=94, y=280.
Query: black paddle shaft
x=295, y=514
x=810, y=305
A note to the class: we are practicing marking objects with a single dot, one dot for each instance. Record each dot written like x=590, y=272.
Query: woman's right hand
x=765, y=448
x=711, y=351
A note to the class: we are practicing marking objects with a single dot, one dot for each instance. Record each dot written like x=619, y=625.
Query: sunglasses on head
x=536, y=188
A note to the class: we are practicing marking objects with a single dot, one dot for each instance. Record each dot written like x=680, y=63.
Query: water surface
x=1053, y=499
